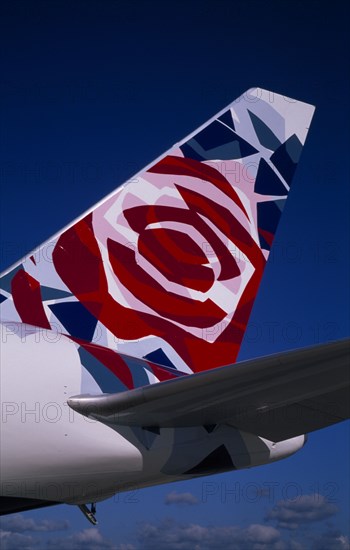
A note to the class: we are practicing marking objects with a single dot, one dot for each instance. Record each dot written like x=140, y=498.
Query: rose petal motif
x=169, y=265
x=171, y=256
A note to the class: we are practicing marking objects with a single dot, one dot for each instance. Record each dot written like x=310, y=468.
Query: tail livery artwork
x=120, y=334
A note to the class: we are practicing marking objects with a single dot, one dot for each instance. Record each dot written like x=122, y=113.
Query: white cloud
x=88, y=539
x=19, y=524
x=170, y=535
x=289, y=514
x=14, y=541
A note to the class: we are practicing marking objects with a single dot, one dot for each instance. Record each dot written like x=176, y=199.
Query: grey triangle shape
x=5, y=281
x=48, y=293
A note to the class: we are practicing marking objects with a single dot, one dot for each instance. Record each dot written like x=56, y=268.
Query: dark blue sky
x=93, y=91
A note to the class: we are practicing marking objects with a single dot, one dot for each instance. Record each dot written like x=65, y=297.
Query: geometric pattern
x=167, y=268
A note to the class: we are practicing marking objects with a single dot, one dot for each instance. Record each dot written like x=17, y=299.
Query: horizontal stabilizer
x=277, y=397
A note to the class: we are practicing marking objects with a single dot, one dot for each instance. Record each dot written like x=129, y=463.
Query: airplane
x=120, y=334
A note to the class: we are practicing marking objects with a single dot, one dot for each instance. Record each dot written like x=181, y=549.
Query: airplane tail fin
x=168, y=266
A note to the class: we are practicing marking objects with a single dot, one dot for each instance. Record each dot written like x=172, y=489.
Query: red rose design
x=166, y=269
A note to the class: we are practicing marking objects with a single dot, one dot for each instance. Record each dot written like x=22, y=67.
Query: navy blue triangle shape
x=267, y=182
x=217, y=141
x=269, y=214
x=286, y=157
x=226, y=118
x=76, y=319
x=158, y=356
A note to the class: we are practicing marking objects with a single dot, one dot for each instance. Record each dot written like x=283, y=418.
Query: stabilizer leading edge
x=277, y=397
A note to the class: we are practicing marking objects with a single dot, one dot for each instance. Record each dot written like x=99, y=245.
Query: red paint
x=26, y=296
x=196, y=169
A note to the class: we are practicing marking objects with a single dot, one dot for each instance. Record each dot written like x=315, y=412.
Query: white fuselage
x=50, y=452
